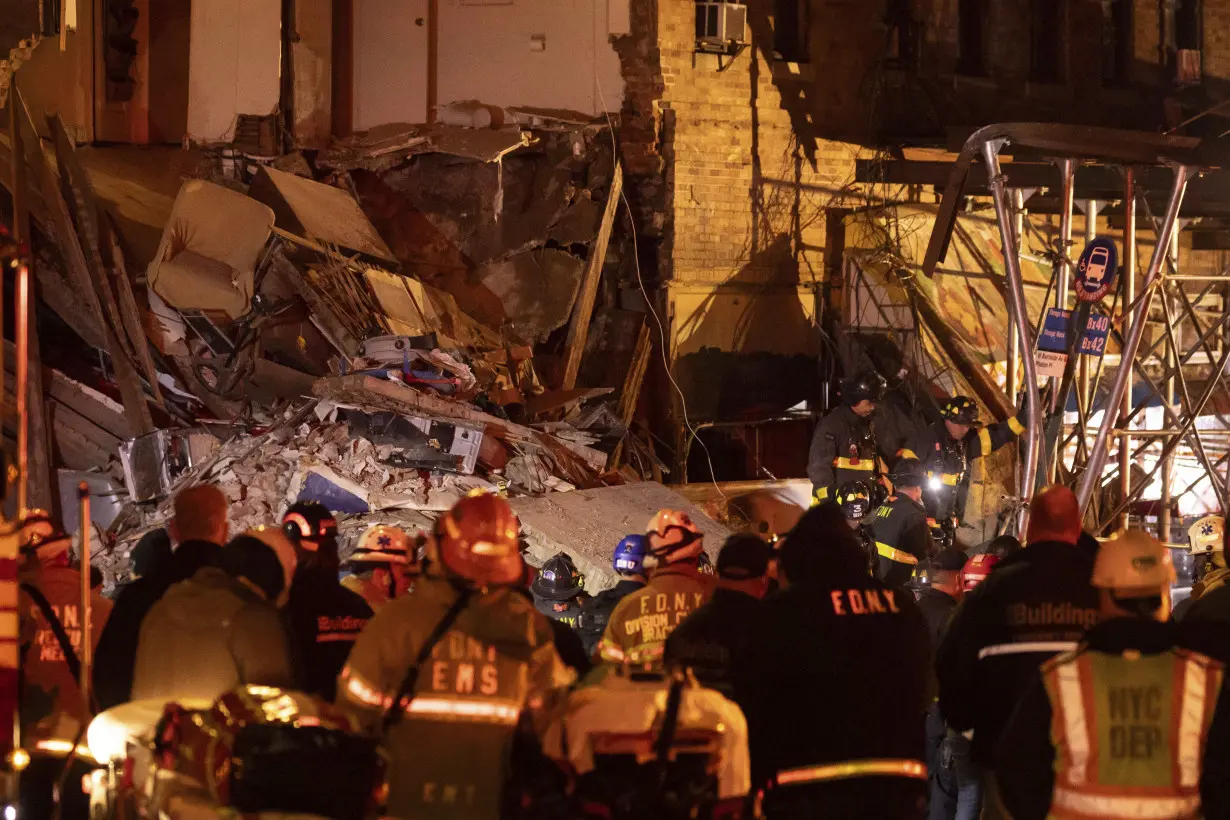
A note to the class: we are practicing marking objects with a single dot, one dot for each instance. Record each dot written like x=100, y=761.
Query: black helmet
x=865, y=385
x=558, y=580
x=310, y=521
x=854, y=498
x=908, y=472
x=960, y=410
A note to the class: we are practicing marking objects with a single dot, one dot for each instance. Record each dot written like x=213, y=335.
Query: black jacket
x=843, y=448
x=901, y=524
x=713, y=641
x=597, y=612
x=1025, y=759
x=842, y=672
x=116, y=654
x=325, y=619
x=1038, y=602
x=948, y=459
x=937, y=608
x=1206, y=624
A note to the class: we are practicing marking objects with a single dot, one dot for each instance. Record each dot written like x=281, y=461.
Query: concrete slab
x=587, y=524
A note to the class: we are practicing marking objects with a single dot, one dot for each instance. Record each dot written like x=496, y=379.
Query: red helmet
x=976, y=570
x=673, y=537
x=477, y=541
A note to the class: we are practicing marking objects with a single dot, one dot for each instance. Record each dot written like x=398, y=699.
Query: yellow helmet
x=1207, y=535
x=1133, y=562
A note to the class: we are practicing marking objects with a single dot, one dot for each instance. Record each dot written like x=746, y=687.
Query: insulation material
x=234, y=65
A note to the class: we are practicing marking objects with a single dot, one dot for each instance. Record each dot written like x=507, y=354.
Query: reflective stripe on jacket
x=1129, y=732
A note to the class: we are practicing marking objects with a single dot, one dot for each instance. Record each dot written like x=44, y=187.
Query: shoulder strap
x=57, y=628
x=670, y=724
x=405, y=692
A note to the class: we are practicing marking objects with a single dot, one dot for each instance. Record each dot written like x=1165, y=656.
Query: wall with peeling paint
x=234, y=64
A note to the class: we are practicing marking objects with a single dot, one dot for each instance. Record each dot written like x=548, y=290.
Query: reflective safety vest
x=1129, y=732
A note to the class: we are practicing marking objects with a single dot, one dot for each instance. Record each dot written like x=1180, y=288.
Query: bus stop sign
x=1095, y=272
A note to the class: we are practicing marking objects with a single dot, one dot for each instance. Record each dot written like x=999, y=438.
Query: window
x=1116, y=41
x=903, y=36
x=1046, y=37
x=49, y=13
x=1187, y=28
x=790, y=25
x=971, y=37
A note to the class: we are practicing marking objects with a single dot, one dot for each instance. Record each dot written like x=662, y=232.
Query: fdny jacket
x=842, y=449
x=902, y=538
x=1036, y=604
x=1117, y=729
x=843, y=675
x=450, y=752
x=596, y=612
x=642, y=621
x=948, y=460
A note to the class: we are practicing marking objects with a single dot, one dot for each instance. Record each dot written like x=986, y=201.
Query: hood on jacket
x=204, y=603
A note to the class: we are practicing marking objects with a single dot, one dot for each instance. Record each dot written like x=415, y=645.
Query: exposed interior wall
x=390, y=62
x=170, y=31
x=234, y=64
x=312, y=69
x=55, y=81
x=542, y=53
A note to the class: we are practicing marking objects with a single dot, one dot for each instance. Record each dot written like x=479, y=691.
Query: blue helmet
x=630, y=555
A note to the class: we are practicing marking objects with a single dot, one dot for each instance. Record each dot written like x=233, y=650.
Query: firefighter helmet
x=854, y=498
x=960, y=410
x=309, y=521
x=558, y=580
x=673, y=537
x=866, y=384
x=275, y=538
x=1207, y=535
x=976, y=570
x=477, y=541
x=382, y=544
x=39, y=535
x=1133, y=563
x=629, y=558
x=908, y=472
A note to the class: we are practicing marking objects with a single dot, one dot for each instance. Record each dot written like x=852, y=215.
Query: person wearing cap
x=1033, y=606
x=677, y=587
x=844, y=447
x=946, y=450
x=628, y=561
x=902, y=535
x=956, y=785
x=221, y=628
x=840, y=683
x=713, y=640
x=325, y=617
x=444, y=676
x=1127, y=724
x=854, y=499
x=384, y=566
x=198, y=527
x=559, y=590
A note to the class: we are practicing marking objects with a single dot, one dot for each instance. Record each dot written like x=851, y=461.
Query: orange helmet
x=674, y=537
x=477, y=541
x=976, y=570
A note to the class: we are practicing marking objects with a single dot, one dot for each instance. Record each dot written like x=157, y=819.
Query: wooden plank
x=133, y=327
x=583, y=310
x=631, y=392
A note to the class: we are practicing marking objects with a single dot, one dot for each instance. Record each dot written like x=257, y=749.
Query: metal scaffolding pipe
x=1084, y=377
x=1016, y=300
x=1172, y=359
x=1131, y=342
x=1063, y=279
x=1014, y=342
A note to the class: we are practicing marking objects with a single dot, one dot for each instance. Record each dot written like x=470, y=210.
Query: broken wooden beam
x=583, y=310
x=631, y=392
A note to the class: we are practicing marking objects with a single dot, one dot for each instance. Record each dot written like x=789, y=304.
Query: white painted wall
x=234, y=61
x=390, y=62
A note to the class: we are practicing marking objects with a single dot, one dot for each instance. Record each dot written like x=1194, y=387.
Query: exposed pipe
x=1097, y=458
x=1016, y=297
x=1014, y=341
x=23, y=377
x=87, y=648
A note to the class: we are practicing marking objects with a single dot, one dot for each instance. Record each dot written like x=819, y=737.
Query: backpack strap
x=405, y=692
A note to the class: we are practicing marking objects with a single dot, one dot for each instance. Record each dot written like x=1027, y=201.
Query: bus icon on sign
x=1095, y=272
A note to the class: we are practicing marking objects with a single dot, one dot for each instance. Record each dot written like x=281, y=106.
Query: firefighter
x=844, y=448
x=628, y=562
x=1127, y=724
x=976, y=570
x=1030, y=608
x=842, y=683
x=1206, y=614
x=641, y=622
x=325, y=617
x=903, y=538
x=559, y=590
x=442, y=676
x=946, y=450
x=854, y=498
x=384, y=566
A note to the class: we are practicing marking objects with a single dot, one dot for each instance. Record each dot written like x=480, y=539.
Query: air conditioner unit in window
x=720, y=26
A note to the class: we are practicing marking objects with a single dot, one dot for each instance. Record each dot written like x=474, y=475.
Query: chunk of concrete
x=587, y=524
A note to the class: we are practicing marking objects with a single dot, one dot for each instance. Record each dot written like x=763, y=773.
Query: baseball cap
x=744, y=556
x=948, y=560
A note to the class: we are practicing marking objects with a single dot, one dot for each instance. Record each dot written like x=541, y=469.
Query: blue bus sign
x=1095, y=271
x=1097, y=329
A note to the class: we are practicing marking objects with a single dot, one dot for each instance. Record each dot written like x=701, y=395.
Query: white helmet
x=1207, y=535
x=1133, y=563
